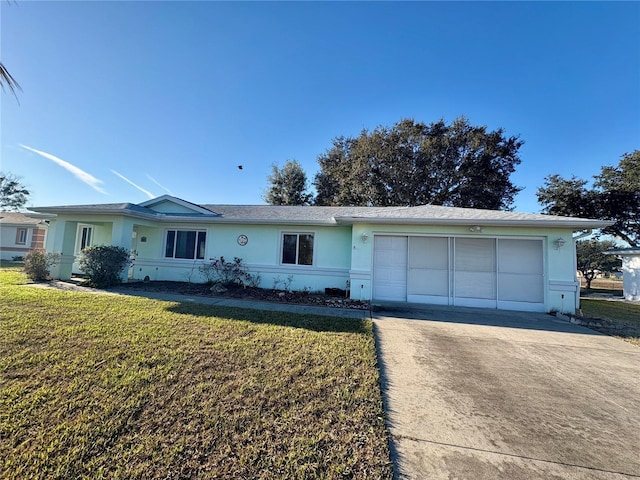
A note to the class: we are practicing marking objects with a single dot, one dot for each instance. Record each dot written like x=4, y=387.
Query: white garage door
x=428, y=277
x=520, y=275
x=476, y=272
x=390, y=268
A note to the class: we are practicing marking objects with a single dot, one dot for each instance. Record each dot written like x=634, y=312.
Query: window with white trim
x=21, y=236
x=297, y=248
x=189, y=244
x=84, y=237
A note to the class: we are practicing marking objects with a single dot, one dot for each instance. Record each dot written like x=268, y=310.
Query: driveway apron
x=485, y=394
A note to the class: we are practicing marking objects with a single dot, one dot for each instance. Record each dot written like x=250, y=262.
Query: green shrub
x=37, y=264
x=103, y=264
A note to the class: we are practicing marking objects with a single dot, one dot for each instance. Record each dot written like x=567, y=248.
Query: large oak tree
x=615, y=196
x=412, y=163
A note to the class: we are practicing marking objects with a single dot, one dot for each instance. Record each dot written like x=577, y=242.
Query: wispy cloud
x=159, y=184
x=146, y=192
x=80, y=174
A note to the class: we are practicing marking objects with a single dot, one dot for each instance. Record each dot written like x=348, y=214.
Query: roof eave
x=569, y=223
x=54, y=212
x=623, y=251
x=164, y=218
x=271, y=221
x=42, y=216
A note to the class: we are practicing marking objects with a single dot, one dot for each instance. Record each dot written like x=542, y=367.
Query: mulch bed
x=249, y=293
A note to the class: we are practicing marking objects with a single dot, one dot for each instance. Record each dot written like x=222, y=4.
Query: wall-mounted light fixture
x=364, y=237
x=475, y=229
x=558, y=243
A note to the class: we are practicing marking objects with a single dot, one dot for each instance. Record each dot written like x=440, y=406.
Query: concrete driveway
x=485, y=394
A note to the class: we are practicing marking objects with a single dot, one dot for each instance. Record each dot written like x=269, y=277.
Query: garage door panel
x=428, y=276
x=422, y=281
x=520, y=256
x=392, y=274
x=475, y=269
x=390, y=268
x=475, y=254
x=520, y=271
x=429, y=252
x=520, y=288
x=475, y=285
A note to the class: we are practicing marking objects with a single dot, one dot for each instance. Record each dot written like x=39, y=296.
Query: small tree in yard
x=592, y=259
x=103, y=264
x=37, y=264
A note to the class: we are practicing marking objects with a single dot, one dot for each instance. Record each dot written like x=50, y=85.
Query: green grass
x=614, y=311
x=102, y=386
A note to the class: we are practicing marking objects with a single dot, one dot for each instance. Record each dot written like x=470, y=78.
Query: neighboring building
x=630, y=271
x=19, y=234
x=424, y=254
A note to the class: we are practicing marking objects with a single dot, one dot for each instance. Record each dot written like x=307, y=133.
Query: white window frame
x=297, y=234
x=21, y=235
x=79, y=232
x=195, y=251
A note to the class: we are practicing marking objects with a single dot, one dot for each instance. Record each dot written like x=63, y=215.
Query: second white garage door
x=481, y=272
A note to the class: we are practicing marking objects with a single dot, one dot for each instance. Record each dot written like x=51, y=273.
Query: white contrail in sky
x=159, y=184
x=146, y=192
x=80, y=174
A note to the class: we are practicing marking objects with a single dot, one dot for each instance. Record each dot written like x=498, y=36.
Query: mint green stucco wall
x=332, y=254
x=171, y=207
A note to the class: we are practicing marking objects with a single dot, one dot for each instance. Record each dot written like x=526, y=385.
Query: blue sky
x=123, y=100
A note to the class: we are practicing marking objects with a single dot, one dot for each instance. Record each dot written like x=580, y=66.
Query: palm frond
x=7, y=79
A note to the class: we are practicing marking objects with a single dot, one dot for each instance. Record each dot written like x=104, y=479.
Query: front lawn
x=614, y=311
x=103, y=386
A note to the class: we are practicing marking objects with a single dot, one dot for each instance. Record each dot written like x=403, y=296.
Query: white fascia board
x=623, y=251
x=25, y=225
x=176, y=218
x=102, y=212
x=249, y=221
x=579, y=224
x=178, y=201
x=43, y=216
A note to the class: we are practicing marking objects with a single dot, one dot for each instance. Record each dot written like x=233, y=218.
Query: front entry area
x=504, y=273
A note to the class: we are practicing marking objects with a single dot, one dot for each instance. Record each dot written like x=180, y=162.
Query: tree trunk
x=589, y=278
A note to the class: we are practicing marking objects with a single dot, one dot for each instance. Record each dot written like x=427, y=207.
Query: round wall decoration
x=242, y=240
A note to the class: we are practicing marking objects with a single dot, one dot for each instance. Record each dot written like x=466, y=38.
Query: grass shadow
x=303, y=320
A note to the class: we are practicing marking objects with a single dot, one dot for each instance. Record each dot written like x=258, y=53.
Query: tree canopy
x=13, y=194
x=412, y=163
x=615, y=196
x=288, y=185
x=592, y=259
